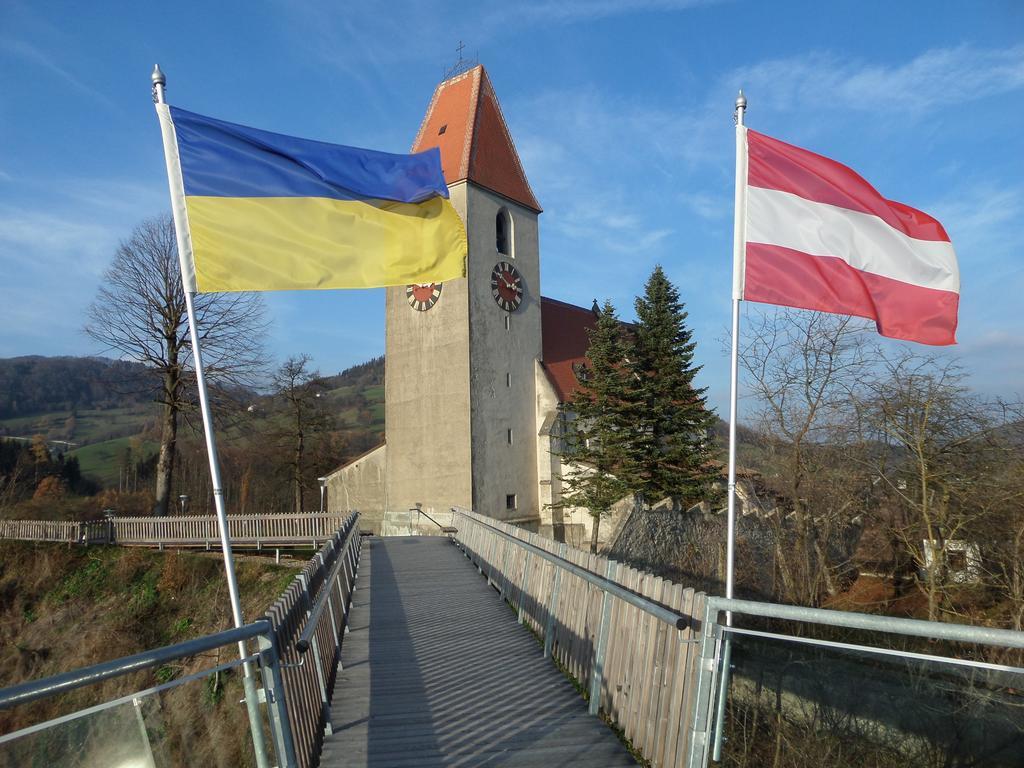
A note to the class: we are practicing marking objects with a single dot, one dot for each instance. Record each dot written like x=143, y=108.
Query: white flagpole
x=188, y=282
x=738, y=246
x=738, y=237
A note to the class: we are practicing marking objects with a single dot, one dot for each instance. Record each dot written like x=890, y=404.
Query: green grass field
x=102, y=461
x=91, y=426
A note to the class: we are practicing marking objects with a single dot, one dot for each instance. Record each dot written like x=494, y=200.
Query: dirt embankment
x=66, y=607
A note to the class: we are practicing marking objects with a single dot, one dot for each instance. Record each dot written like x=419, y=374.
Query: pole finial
x=741, y=100
x=159, y=83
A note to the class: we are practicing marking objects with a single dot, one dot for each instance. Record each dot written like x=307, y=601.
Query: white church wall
x=549, y=465
x=360, y=486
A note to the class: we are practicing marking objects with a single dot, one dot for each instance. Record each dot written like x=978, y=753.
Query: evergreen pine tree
x=670, y=450
x=596, y=444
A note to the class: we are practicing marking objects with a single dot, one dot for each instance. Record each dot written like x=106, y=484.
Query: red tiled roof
x=476, y=144
x=564, y=336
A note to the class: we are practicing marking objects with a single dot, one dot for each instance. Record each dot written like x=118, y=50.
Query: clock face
x=422, y=296
x=507, y=286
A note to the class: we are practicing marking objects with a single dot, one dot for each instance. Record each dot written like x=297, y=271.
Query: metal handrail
x=676, y=619
x=78, y=678
x=444, y=528
x=302, y=645
x=890, y=624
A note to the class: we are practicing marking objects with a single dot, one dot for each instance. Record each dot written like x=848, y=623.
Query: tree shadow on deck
x=454, y=680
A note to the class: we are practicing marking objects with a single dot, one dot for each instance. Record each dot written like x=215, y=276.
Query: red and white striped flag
x=818, y=236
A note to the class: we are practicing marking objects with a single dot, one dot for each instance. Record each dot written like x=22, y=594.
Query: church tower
x=460, y=395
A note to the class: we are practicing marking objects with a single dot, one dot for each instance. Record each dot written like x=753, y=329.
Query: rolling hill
x=104, y=407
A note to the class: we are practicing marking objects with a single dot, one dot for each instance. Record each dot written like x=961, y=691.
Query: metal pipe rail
x=267, y=656
x=717, y=645
x=627, y=636
x=963, y=633
x=444, y=528
x=78, y=678
x=315, y=608
x=296, y=694
x=313, y=620
x=658, y=611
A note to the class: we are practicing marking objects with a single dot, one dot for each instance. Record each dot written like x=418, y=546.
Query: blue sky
x=621, y=111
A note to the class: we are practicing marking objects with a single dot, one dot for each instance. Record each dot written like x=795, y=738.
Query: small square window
x=508, y=379
x=510, y=501
x=443, y=129
x=509, y=434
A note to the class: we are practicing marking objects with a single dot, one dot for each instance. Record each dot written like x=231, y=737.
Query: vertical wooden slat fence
x=642, y=671
x=200, y=531
x=309, y=678
x=308, y=529
x=69, y=531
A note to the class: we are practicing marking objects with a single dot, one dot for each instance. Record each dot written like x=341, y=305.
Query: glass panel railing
x=114, y=737
x=191, y=721
x=796, y=704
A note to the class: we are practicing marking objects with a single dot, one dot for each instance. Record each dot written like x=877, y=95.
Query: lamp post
x=323, y=487
x=184, y=500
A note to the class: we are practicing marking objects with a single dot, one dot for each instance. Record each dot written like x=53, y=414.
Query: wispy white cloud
x=936, y=78
x=574, y=11
x=31, y=237
x=708, y=207
x=26, y=51
x=979, y=216
x=354, y=37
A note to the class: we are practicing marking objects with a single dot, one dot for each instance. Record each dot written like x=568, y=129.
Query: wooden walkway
x=437, y=672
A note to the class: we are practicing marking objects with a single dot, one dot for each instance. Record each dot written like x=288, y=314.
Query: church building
x=475, y=368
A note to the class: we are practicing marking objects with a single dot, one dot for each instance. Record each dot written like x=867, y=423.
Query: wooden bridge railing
x=258, y=531
x=309, y=674
x=639, y=659
x=69, y=531
x=245, y=530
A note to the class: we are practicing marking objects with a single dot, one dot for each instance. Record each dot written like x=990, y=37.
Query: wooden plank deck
x=437, y=672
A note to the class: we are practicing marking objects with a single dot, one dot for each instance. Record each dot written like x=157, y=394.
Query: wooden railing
x=309, y=677
x=639, y=659
x=312, y=528
x=247, y=531
x=70, y=531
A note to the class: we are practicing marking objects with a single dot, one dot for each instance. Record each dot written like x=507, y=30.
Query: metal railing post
x=549, y=628
x=273, y=684
x=723, y=692
x=504, y=569
x=522, y=584
x=597, y=673
x=707, y=667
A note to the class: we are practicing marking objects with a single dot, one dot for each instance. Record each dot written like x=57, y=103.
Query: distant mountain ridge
x=35, y=384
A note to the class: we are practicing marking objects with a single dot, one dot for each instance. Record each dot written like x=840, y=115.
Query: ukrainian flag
x=268, y=212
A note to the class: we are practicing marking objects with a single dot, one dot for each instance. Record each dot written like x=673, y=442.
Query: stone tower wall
x=502, y=383
x=427, y=395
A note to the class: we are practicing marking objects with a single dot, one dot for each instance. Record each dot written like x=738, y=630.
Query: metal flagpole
x=738, y=245
x=737, y=295
x=180, y=228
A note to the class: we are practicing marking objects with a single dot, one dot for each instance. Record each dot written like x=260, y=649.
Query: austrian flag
x=818, y=236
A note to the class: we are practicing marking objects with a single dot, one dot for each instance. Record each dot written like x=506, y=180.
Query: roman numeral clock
x=507, y=286
x=422, y=296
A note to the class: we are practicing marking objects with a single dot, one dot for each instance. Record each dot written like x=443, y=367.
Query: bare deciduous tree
x=802, y=369
x=300, y=390
x=139, y=314
x=944, y=452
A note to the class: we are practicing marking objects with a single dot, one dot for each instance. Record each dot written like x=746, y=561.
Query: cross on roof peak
x=462, y=65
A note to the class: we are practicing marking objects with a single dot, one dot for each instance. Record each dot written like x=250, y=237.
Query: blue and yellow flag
x=267, y=212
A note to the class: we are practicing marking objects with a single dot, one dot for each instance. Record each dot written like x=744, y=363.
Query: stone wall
x=360, y=486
